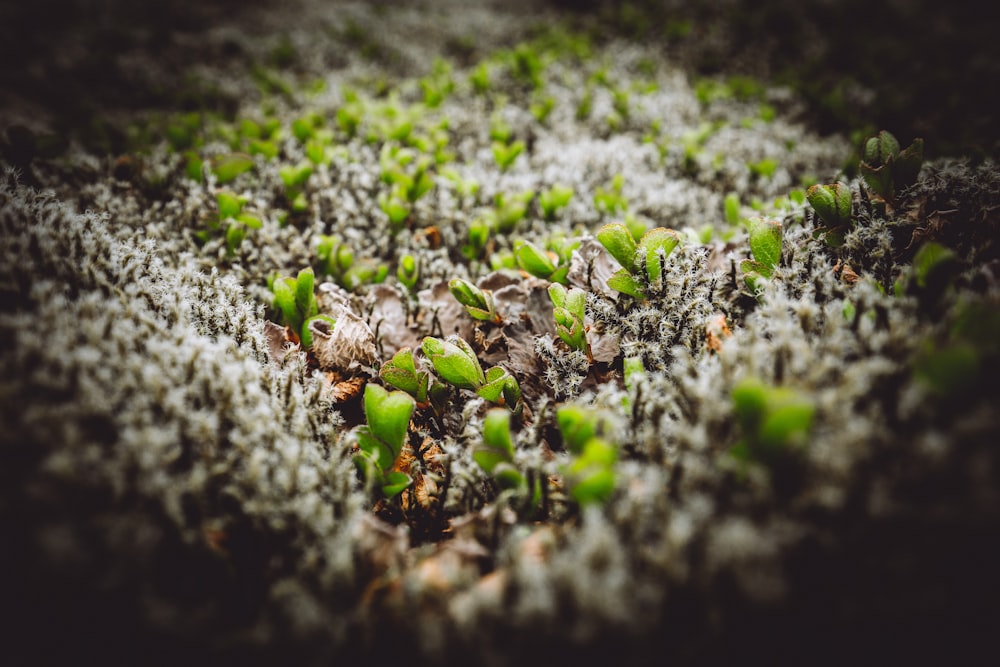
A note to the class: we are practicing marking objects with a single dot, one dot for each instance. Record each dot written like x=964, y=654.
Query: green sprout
x=763, y=169
x=542, y=107
x=506, y=154
x=577, y=425
x=833, y=204
x=540, y=263
x=381, y=441
x=554, y=200
x=886, y=169
x=495, y=454
x=765, y=246
x=526, y=65
x=337, y=261
x=591, y=476
x=478, y=236
x=408, y=271
x=456, y=362
x=775, y=421
x=478, y=303
x=642, y=263
x=437, y=85
x=227, y=167
x=480, y=79
x=295, y=299
x=232, y=220
x=510, y=209
x=610, y=200
x=402, y=373
x=294, y=178
x=568, y=312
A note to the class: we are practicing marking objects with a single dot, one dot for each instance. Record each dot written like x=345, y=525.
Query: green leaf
x=492, y=390
x=497, y=446
x=577, y=425
x=284, y=300
x=657, y=244
x=765, y=242
x=507, y=476
x=377, y=452
x=949, y=371
x=618, y=241
x=455, y=362
x=533, y=259
x=591, y=476
x=234, y=237
x=832, y=203
x=478, y=303
x=881, y=149
x=388, y=415
x=787, y=425
x=230, y=204
x=622, y=281
x=305, y=300
x=878, y=179
x=227, y=167
x=249, y=221
x=395, y=483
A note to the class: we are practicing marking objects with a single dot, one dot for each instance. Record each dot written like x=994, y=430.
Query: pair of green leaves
x=506, y=154
x=295, y=299
x=568, y=311
x=478, y=302
x=833, y=204
x=381, y=440
x=554, y=200
x=456, y=362
x=233, y=219
x=495, y=454
x=294, y=178
x=642, y=262
x=765, y=246
x=886, y=169
x=590, y=474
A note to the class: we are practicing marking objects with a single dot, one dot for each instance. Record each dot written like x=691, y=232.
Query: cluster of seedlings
x=516, y=385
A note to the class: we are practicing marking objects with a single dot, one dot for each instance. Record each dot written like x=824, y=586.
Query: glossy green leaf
x=497, y=446
x=765, y=242
x=657, y=244
x=388, y=415
x=881, y=149
x=618, y=241
x=533, y=259
x=455, y=362
x=622, y=281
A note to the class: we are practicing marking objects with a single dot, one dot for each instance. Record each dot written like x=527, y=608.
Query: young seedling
x=456, y=362
x=381, y=440
x=886, y=169
x=765, y=246
x=232, y=220
x=590, y=476
x=510, y=209
x=480, y=79
x=478, y=303
x=495, y=454
x=775, y=421
x=833, y=205
x=642, y=263
x=568, y=312
x=610, y=200
x=227, y=167
x=542, y=107
x=408, y=271
x=402, y=373
x=478, y=237
x=294, y=178
x=539, y=263
x=554, y=200
x=506, y=154
x=295, y=299
x=337, y=261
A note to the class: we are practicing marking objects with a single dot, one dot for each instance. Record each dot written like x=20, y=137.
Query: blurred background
x=918, y=67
